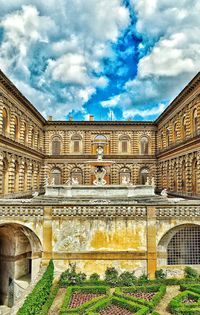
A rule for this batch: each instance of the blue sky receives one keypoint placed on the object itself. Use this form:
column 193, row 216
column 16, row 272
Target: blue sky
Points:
column 113, row 59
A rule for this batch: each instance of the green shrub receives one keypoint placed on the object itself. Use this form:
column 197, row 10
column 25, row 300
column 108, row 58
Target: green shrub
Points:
column 94, row 277
column 155, row 313
column 191, row 273
column 160, row 274
column 111, row 276
column 127, row 279
column 191, row 287
column 38, row 297
column 49, row 301
column 71, row 277
column 177, row 306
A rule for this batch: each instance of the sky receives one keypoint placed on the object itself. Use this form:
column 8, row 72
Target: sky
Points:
column 114, row 59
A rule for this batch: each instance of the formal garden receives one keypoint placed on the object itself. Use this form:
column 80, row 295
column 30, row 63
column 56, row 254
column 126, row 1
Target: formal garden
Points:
column 116, row 294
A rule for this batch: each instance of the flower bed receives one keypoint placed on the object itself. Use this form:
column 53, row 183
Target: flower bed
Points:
column 186, row 303
column 78, row 299
column 149, row 296
column 117, row 304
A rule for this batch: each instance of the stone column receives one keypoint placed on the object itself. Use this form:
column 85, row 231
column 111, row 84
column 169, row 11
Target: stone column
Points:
column 151, row 242
column 47, row 235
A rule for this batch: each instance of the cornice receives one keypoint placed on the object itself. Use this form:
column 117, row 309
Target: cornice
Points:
column 101, row 123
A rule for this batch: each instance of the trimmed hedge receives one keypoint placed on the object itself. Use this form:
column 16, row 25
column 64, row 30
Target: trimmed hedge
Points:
column 176, row 305
column 192, row 287
column 137, row 309
column 159, row 290
column 82, row 308
column 49, row 301
column 38, row 297
column 155, row 313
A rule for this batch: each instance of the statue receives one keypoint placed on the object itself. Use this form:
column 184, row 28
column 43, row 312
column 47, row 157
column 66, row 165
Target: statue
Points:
column 35, row 194
column 53, row 181
column 164, row 193
column 147, row 181
column 74, row 181
column 125, row 180
column 153, row 182
column 99, row 153
column 99, row 173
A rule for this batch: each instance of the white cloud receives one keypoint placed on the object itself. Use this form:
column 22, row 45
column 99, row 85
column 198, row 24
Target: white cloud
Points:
column 114, row 101
column 131, row 113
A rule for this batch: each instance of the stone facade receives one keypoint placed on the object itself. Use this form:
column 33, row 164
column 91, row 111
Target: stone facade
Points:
column 129, row 234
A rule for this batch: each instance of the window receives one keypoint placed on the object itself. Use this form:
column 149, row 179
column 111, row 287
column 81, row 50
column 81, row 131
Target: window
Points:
column 5, row 122
column 56, row 146
column 76, row 143
column 56, row 176
column 100, row 138
column 144, row 173
column 124, row 144
column 184, row 247
column 144, row 143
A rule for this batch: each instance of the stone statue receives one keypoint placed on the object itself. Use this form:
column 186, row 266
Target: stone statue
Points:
column 99, row 153
column 74, row 181
column 153, row 182
column 147, row 181
column 164, row 193
column 125, row 180
column 35, row 194
column 99, row 173
column 53, row 181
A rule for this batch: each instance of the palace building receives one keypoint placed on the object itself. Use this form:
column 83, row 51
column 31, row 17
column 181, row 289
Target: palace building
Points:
column 141, row 233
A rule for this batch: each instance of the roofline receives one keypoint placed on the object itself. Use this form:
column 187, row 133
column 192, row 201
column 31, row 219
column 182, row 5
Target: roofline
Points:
column 8, row 84
column 180, row 97
column 99, row 122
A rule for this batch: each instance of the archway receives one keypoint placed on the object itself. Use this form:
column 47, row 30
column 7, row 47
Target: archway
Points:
column 180, row 246
column 20, row 257
column 144, row 174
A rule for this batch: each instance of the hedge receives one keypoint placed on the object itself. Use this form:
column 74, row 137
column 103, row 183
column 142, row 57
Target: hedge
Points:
column 155, row 313
column 38, row 297
column 82, row 308
column 49, row 301
column 159, row 290
column 191, row 287
column 137, row 309
column 176, row 305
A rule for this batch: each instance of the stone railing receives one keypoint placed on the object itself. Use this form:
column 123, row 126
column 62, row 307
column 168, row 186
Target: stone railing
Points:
column 21, row 211
column 100, row 211
column 178, row 211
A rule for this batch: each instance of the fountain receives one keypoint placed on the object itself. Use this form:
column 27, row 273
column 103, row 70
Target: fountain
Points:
column 100, row 188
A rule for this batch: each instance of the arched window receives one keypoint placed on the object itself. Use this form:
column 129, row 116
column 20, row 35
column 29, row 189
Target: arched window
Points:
column 175, row 132
column 144, row 144
column 77, row 175
column 124, row 175
column 195, row 122
column 76, row 143
column 144, row 173
column 56, row 176
column 56, row 146
column 184, row 128
column 5, row 122
column 124, row 142
column 184, row 247
column 16, row 129
column 194, row 176
column 100, row 138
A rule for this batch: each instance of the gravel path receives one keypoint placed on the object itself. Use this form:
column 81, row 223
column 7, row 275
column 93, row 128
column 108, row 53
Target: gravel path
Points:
column 57, row 303
column 170, row 293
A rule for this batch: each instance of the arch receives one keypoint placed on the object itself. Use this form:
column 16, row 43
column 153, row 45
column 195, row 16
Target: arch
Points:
column 124, row 175
column 56, row 145
column 77, row 175
column 20, row 255
column 76, row 142
column 144, row 145
column 124, row 144
column 144, row 174
column 5, row 122
column 56, row 175
column 194, row 122
column 194, row 176
column 100, row 138
column 181, row 244
column 16, row 128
